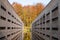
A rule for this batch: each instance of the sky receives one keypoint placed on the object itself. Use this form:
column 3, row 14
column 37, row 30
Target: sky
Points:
column 30, row 2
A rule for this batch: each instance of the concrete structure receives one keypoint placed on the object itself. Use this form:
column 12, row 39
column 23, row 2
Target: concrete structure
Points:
column 10, row 24
column 47, row 25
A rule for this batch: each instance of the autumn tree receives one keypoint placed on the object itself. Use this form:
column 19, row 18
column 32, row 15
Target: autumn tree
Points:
column 27, row 14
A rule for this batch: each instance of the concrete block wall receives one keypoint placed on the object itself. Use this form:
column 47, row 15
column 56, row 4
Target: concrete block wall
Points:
column 10, row 24
column 47, row 25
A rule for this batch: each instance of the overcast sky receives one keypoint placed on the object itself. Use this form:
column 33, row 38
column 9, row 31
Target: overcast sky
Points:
column 30, row 2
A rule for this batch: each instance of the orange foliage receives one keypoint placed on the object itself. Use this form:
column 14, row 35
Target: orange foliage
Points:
column 28, row 13
column 17, row 7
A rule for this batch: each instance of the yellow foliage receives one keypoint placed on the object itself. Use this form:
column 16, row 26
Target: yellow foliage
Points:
column 27, row 14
